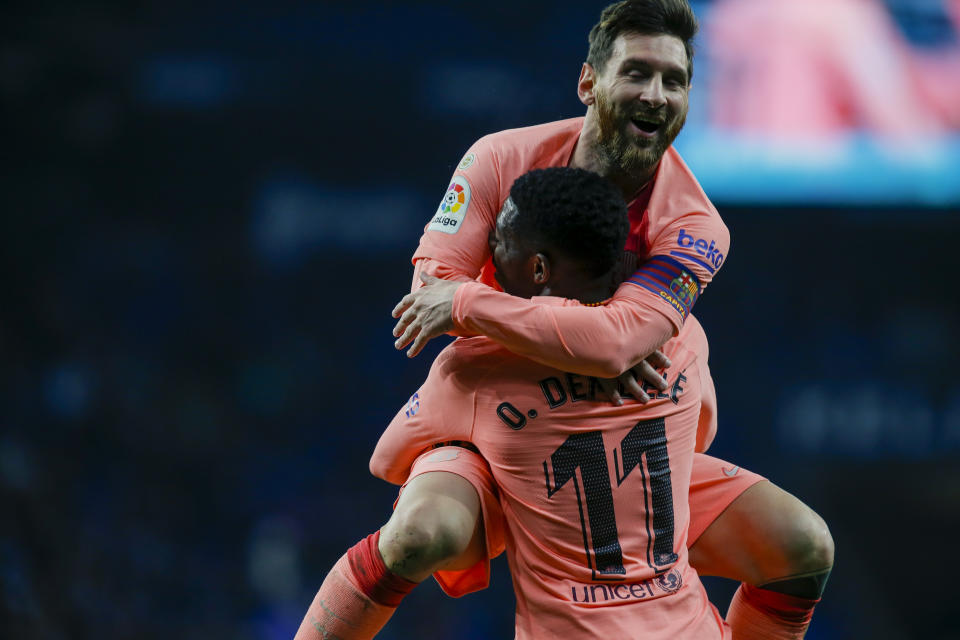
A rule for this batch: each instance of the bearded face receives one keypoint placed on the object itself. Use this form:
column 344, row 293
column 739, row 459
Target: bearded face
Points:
column 640, row 100
column 633, row 136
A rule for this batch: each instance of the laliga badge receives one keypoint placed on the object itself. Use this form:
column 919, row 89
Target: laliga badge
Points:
column 452, row 208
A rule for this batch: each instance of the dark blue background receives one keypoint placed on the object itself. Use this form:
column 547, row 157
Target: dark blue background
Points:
column 208, row 213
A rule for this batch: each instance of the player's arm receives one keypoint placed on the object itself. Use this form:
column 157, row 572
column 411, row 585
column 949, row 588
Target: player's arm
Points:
column 646, row 310
column 440, row 411
column 455, row 243
column 600, row 341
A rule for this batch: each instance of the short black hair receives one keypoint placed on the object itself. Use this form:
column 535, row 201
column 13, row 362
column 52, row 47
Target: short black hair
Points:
column 648, row 17
column 572, row 211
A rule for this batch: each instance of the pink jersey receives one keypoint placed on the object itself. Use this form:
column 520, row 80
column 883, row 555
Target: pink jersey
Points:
column 594, row 496
column 675, row 231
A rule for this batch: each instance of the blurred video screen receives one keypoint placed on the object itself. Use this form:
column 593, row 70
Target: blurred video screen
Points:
column 827, row 102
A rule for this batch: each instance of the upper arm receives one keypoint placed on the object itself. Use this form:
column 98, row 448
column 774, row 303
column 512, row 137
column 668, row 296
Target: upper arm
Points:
column 647, row 309
column 455, row 244
column 597, row 341
column 683, row 259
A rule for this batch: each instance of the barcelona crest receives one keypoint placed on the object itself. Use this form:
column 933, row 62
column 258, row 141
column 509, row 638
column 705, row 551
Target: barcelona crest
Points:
column 685, row 288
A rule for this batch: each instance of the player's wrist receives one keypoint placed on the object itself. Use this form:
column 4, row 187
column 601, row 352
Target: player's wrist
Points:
column 462, row 303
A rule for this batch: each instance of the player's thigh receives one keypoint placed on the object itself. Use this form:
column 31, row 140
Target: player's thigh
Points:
column 763, row 533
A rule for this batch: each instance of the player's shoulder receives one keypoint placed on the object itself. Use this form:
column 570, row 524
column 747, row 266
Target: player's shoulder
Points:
column 678, row 205
column 534, row 141
column 678, row 189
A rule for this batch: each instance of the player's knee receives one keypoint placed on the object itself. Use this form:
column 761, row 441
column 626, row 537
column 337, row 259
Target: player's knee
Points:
column 809, row 545
column 423, row 538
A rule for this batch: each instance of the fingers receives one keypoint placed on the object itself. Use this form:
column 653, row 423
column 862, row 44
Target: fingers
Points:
column 409, row 315
column 419, row 343
column 648, row 374
column 412, row 331
column 631, row 386
column 658, row 361
column 404, row 304
column 609, row 388
column 426, row 278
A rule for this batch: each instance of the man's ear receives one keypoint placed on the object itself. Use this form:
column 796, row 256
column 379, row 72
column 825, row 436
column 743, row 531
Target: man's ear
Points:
column 586, row 84
column 540, row 268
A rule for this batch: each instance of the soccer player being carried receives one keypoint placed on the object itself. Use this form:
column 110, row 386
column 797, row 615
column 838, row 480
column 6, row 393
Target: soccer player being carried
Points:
column 592, row 495
column 635, row 84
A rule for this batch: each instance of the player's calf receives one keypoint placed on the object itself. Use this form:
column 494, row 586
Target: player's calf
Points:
column 436, row 525
column 780, row 549
column 357, row 597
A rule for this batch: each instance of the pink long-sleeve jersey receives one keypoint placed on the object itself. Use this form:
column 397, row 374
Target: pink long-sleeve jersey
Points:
column 594, row 496
column 675, row 232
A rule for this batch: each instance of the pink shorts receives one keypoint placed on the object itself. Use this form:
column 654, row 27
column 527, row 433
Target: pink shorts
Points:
column 714, row 484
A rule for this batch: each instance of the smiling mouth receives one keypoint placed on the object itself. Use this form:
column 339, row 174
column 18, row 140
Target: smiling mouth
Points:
column 647, row 125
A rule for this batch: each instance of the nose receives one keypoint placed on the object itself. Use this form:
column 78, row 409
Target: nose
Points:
column 653, row 92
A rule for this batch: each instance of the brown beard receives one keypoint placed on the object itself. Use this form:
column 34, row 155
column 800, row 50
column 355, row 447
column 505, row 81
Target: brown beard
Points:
column 620, row 149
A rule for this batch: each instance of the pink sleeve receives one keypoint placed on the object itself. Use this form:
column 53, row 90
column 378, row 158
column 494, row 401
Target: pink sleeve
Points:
column 604, row 341
column 599, row 341
column 437, row 270
column 440, row 411
column 455, row 241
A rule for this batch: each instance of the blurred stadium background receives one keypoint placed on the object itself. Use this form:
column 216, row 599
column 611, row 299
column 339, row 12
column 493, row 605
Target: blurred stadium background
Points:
column 208, row 211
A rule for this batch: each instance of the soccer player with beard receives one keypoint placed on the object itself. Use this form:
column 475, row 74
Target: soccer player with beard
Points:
column 635, row 84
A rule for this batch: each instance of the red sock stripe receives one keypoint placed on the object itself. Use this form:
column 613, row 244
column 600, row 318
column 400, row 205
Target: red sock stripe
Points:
column 376, row 581
column 791, row 608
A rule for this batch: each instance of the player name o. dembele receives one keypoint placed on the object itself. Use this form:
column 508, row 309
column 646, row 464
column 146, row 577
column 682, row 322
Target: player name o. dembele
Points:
column 570, row 387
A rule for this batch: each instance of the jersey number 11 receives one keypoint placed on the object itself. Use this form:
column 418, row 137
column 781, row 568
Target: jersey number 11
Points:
column 647, row 439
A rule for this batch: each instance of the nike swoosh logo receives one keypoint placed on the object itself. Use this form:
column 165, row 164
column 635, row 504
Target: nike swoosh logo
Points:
column 730, row 472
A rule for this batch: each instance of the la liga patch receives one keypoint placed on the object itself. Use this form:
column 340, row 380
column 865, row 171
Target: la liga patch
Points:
column 453, row 207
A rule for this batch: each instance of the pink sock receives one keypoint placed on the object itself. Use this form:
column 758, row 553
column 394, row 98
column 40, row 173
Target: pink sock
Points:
column 761, row 614
column 357, row 597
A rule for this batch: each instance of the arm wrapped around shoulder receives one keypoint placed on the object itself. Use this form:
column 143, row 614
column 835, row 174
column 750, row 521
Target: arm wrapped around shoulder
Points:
column 601, row 341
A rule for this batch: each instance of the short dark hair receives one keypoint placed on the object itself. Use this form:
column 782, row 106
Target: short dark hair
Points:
column 648, row 17
column 572, row 211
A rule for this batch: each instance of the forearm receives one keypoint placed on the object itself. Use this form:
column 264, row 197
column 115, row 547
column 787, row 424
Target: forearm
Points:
column 437, row 269
column 599, row 341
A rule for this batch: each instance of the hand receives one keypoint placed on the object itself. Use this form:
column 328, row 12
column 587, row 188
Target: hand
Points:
column 424, row 314
column 645, row 370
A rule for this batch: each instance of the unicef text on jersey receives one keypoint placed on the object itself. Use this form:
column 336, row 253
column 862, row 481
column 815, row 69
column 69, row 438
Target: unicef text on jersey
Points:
column 709, row 252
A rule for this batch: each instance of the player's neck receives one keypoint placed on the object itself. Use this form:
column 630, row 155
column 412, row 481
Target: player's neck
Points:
column 589, row 155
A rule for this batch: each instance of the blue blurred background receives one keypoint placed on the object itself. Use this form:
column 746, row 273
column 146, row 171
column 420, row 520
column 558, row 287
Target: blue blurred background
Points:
column 208, row 212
